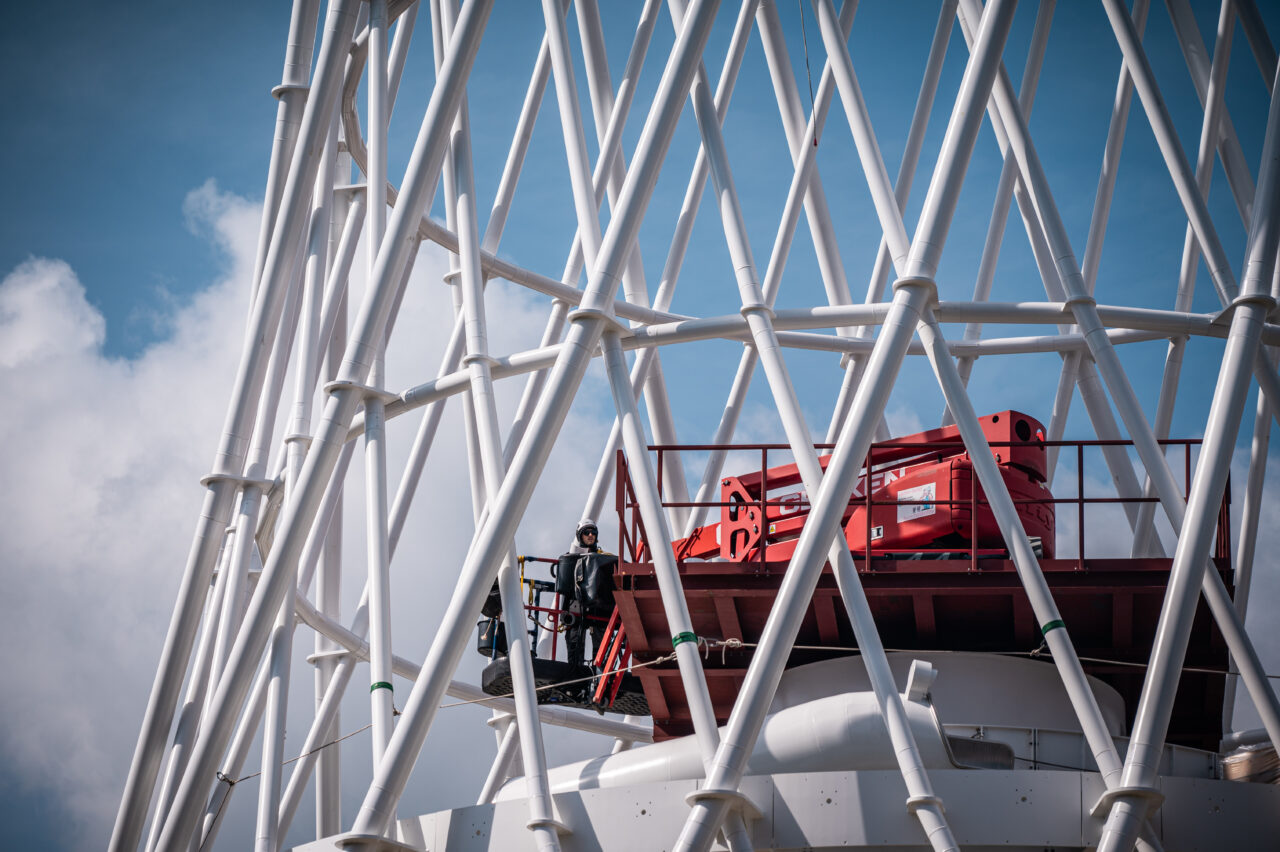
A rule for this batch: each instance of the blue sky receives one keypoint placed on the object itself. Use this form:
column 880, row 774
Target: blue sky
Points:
column 138, row 137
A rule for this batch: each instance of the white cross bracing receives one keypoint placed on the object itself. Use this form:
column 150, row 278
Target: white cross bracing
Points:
column 231, row 644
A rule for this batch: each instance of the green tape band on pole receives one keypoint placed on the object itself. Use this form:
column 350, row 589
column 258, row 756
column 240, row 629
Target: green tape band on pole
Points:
column 1052, row 625
column 382, row 684
column 682, row 637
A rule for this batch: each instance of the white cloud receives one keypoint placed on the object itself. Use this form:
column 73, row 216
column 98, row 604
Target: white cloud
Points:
column 44, row 315
column 101, row 467
column 102, row 459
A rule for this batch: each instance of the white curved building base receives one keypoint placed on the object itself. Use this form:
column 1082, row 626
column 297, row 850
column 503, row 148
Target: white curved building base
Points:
column 988, row 810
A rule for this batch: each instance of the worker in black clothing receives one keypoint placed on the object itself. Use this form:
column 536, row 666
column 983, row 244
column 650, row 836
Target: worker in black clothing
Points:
column 591, row 599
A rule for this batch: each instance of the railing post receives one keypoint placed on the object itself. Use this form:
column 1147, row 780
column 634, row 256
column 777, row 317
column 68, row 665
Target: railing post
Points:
column 764, row 507
column 1080, row 507
column 866, row 493
column 973, row 518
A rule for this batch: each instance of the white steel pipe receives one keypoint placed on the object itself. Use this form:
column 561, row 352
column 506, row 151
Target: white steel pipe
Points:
column 1004, row 189
column 291, row 95
column 366, row 339
column 658, row 406
column 232, row 764
column 229, row 457
column 1209, row 133
column 1173, row 630
column 1083, row 307
column 490, row 542
column 855, row 438
column 328, row 787
column 603, row 480
column 1247, row 542
column 501, row 768
column 378, row 560
column 902, row 191
column 666, row 572
column 1048, row 618
column 1263, row 51
column 1234, row 165
column 773, row 275
column 189, row 716
column 765, row 341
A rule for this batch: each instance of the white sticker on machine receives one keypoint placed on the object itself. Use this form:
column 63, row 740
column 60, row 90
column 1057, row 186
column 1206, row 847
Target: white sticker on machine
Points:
column 921, row 504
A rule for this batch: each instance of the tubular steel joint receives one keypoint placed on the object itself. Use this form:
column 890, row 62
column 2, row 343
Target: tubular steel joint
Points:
column 919, row 282
column 321, row 656
column 1223, row 317
column 281, row 90
column 595, row 313
column 747, row 310
column 559, row 827
column 365, row 391
column 736, row 799
column 1081, row 299
column 243, row 481
column 1103, row 806
column 479, row 358
column 914, row 803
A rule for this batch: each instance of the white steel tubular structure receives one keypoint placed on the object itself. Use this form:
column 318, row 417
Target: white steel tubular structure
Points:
column 547, row 298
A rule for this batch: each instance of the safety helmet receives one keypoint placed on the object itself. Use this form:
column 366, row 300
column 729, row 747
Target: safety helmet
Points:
column 583, row 526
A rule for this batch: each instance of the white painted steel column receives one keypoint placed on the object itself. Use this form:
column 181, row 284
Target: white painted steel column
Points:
column 603, row 482
column 500, row 771
column 1004, row 190
column 421, row 181
column 666, row 572
column 653, row 384
column 1048, row 619
column 1247, row 541
column 710, row 483
column 232, row 445
column 291, row 96
column 1234, row 164
column 328, row 795
column 1255, row 31
column 1079, row 373
column 952, row 384
column 490, row 542
column 902, row 190
column 1084, row 309
column 189, row 716
column 610, row 148
column 478, row 362
column 1108, row 171
column 280, row 644
column 381, row 689
column 759, row 320
column 233, row 764
column 1209, row 134
column 610, row 152
column 1215, row 257
column 1146, row 742
column 817, row 213
column 855, row 439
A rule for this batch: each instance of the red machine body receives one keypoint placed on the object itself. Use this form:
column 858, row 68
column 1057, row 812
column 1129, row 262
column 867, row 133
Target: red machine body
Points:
column 922, row 498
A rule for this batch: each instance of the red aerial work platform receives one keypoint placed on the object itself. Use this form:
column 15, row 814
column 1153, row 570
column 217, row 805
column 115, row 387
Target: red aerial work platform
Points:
column 934, row 566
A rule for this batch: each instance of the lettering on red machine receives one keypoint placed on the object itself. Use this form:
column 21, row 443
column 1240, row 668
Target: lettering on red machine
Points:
column 924, row 499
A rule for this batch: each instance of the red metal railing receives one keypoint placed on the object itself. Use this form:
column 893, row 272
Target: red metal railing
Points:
column 633, row 540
